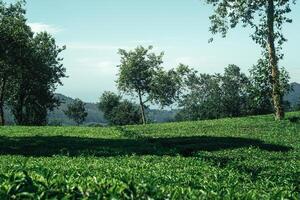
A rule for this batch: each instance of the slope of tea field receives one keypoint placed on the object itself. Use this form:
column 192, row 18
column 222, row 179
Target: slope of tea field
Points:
column 242, row 158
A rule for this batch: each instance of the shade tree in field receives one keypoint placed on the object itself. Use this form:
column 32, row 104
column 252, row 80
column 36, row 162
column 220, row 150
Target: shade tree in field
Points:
column 118, row 111
column 34, row 85
column 31, row 68
column 141, row 75
column 234, row 86
column 14, row 39
column 266, row 18
column 76, row 111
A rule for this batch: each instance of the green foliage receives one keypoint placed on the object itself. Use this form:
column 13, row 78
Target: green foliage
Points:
column 239, row 158
column 297, row 107
column 118, row 111
column 214, row 96
column 76, row 111
column 228, row 14
column 31, row 68
column 260, row 89
column 140, row 73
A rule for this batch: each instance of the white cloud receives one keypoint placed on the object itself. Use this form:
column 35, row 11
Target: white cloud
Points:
column 107, row 67
column 185, row 60
column 40, row 27
column 97, row 47
column 92, row 47
column 100, row 65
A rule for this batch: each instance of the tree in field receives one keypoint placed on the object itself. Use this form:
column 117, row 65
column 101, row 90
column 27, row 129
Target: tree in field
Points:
column 234, row 92
column 118, row 111
column 76, row 111
column 31, row 68
column 107, row 102
column 34, row 84
column 260, row 88
column 14, row 39
column 266, row 17
column 141, row 74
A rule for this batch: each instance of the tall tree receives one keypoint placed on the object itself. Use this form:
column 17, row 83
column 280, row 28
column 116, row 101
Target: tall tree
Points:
column 76, row 111
column 266, row 17
column 30, row 69
column 14, row 39
column 141, row 74
column 39, row 73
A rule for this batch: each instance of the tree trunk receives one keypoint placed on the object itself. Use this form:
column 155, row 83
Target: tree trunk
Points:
column 273, row 60
column 2, row 89
column 142, row 107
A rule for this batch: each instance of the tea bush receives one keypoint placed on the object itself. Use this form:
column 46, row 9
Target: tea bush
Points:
column 240, row 158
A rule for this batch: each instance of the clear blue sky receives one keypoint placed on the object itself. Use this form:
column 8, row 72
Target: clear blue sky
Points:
column 93, row 30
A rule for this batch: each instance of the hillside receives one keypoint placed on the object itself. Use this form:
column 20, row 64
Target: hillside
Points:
column 240, row 158
column 294, row 96
column 96, row 116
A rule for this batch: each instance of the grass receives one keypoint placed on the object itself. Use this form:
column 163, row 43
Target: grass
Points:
column 241, row 158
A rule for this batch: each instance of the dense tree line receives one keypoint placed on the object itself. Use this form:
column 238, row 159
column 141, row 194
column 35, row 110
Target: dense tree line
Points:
column 232, row 94
column 30, row 70
column 197, row 96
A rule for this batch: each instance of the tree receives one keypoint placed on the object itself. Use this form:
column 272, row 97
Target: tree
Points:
column 126, row 113
column 39, row 73
column 76, row 111
column 14, row 38
column 31, row 68
column 118, row 111
column 260, row 88
column 108, row 101
column 234, row 92
column 201, row 98
column 266, row 17
column 214, row 96
column 141, row 74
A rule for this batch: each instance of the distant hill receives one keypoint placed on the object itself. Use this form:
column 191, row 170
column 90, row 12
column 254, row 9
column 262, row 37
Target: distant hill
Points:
column 294, row 96
column 58, row 116
column 96, row 117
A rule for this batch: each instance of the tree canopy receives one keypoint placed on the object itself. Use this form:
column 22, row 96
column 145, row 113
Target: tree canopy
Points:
column 141, row 74
column 266, row 18
column 30, row 70
column 76, row 111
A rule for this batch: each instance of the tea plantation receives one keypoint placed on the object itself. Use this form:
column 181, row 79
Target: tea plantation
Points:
column 241, row 158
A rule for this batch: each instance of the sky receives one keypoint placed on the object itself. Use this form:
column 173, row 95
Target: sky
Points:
column 94, row 30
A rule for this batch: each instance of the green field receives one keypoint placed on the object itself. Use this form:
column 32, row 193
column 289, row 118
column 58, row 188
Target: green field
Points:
column 242, row 158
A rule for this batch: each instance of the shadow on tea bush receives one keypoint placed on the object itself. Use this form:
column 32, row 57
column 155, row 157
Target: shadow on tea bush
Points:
column 294, row 119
